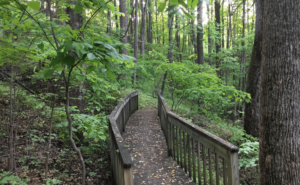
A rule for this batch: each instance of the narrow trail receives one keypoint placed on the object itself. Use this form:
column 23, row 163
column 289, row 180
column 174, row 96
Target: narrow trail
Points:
column 148, row 149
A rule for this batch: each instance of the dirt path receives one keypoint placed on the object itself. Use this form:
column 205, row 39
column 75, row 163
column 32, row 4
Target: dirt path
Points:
column 148, row 149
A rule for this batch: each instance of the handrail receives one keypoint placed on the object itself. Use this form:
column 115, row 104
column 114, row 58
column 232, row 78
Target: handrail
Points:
column 204, row 156
column 120, row 159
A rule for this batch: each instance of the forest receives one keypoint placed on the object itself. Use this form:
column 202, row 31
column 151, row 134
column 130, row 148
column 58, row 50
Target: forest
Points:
column 230, row 67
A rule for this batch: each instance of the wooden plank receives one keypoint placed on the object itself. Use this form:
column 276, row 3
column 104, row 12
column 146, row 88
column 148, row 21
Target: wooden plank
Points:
column 224, row 172
column 128, row 176
column 210, row 167
column 194, row 160
column 180, row 143
column 217, row 169
column 204, row 164
column 189, row 153
column 177, row 144
column 199, row 162
column 173, row 139
column 184, row 152
column 233, row 169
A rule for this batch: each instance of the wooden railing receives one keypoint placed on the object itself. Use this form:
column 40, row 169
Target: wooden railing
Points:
column 120, row 159
column 206, row 158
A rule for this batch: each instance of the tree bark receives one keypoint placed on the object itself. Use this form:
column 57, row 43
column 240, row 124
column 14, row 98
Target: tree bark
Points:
column 279, row 129
column 209, row 41
column 217, row 23
column 109, row 22
column 149, row 28
column 116, row 17
column 144, row 9
column 251, row 119
column 200, row 35
column 136, row 40
column 123, row 24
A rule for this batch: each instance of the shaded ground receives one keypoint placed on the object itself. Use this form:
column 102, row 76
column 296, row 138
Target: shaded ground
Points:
column 148, row 149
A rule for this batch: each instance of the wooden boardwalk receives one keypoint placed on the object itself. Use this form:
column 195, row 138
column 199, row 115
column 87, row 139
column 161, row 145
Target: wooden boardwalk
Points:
column 148, row 149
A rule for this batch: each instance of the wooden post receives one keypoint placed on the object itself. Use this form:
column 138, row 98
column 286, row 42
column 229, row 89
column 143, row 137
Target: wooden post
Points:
column 233, row 169
column 128, row 176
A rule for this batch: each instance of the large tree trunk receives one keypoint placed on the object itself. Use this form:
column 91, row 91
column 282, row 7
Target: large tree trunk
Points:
column 279, row 125
column 131, row 37
column 123, row 24
column 199, row 35
column 116, row 17
column 108, row 30
column 136, row 39
column 251, row 120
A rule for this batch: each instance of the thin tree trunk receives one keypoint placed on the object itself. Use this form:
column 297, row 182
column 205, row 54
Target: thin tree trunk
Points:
column 149, row 28
column 136, row 37
column 144, row 9
column 116, row 17
column 123, row 24
column 200, row 59
column 109, row 22
column 209, row 41
column 218, row 41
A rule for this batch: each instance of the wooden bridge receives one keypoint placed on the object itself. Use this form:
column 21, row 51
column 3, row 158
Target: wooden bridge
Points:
column 159, row 147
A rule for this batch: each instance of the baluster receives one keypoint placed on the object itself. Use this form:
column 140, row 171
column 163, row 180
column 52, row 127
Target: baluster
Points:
column 184, row 152
column 177, row 142
column 204, row 164
column 173, row 137
column 224, row 172
column 194, row 161
column 217, row 169
column 199, row 163
column 189, row 158
column 180, row 140
column 210, row 167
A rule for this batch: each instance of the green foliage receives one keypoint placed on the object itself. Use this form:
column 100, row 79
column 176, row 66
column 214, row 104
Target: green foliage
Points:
column 249, row 154
column 9, row 178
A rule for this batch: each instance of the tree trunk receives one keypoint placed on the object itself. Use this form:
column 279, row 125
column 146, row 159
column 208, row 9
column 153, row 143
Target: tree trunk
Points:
column 144, row 9
column 251, row 119
column 116, row 17
column 199, row 35
column 217, row 23
column 131, row 38
column 279, row 129
column 149, row 28
column 109, row 22
column 123, row 24
column 209, row 41
column 136, row 39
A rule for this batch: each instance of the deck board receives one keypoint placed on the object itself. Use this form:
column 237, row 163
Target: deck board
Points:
column 148, row 149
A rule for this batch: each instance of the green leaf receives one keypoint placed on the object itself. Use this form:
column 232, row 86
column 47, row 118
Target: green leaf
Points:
column 90, row 69
column 67, row 46
column 187, row 14
column 162, row 6
column 91, row 56
column 18, row 31
column 4, row 2
column 41, row 46
column 78, row 8
column 34, row 5
column 111, row 75
column 80, row 77
column 183, row 3
column 189, row 2
column 172, row 7
column 173, row 2
column 21, row 6
column 48, row 73
column 195, row 3
column 97, row 43
column 68, row 60
column 79, row 49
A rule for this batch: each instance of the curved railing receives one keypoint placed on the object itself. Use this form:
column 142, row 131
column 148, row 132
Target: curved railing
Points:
column 120, row 159
column 204, row 156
